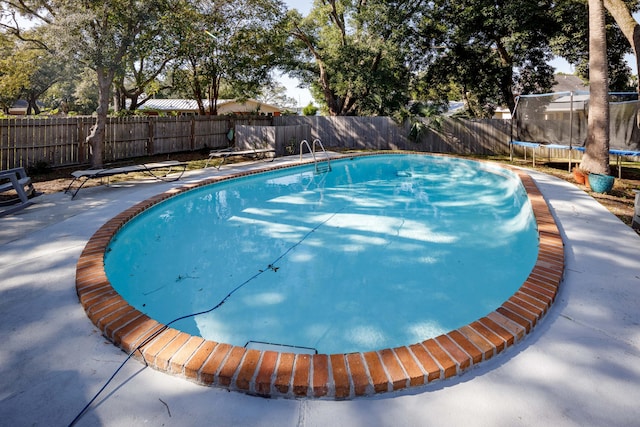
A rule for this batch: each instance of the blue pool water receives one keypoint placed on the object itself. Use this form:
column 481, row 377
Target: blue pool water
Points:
column 380, row 252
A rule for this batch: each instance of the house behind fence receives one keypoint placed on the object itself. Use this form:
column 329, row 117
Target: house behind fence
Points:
column 58, row 142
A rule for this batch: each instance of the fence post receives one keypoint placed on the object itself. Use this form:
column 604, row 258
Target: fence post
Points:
column 80, row 141
column 151, row 143
column 192, row 139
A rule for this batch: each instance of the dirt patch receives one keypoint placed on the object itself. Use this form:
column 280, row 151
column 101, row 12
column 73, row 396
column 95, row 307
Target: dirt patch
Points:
column 57, row 180
column 619, row 201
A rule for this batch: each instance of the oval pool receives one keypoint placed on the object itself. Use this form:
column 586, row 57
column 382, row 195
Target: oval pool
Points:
column 379, row 252
column 388, row 259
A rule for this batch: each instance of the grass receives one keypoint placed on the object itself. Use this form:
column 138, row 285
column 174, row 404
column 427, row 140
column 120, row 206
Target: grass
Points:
column 619, row 201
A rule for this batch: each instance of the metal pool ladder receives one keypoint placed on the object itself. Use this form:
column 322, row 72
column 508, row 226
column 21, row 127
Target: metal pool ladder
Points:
column 321, row 166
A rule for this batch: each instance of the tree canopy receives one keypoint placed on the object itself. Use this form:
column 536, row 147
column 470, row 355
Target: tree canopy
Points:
column 355, row 55
column 491, row 50
column 133, row 41
column 231, row 45
column 358, row 58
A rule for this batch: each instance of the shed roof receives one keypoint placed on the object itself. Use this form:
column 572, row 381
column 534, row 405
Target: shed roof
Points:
column 174, row 104
column 177, row 104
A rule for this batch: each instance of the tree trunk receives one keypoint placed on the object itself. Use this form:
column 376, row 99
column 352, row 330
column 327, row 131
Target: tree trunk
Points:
column 214, row 94
column 628, row 25
column 596, row 156
column 118, row 97
column 506, row 78
column 97, row 135
column 329, row 97
column 32, row 106
column 631, row 30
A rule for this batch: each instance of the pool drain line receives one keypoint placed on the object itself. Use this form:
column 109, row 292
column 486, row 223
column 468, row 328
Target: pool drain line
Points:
column 270, row 267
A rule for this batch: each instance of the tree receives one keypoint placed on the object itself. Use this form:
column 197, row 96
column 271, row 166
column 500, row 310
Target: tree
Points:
column 355, row 55
column 276, row 94
column 26, row 72
column 464, row 73
column 490, row 49
column 148, row 58
column 573, row 45
column 42, row 73
column 75, row 91
column 12, row 79
column 310, row 110
column 99, row 34
column 96, row 34
column 596, row 156
column 621, row 12
column 232, row 43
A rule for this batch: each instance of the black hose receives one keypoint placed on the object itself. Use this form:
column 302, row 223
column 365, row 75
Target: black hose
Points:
column 218, row 305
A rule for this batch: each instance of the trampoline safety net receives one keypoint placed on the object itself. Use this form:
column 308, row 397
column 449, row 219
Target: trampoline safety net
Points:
column 561, row 119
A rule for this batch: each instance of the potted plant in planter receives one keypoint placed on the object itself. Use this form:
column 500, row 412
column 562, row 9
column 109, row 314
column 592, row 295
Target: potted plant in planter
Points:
column 601, row 183
column 580, row 175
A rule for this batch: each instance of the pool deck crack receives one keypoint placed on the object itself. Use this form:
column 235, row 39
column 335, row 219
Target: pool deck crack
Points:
column 302, row 413
column 633, row 351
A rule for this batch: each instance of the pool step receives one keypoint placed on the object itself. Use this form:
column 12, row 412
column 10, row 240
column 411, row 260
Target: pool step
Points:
column 323, row 167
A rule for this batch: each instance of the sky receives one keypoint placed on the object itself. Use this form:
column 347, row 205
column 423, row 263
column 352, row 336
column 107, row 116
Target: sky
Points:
column 303, row 6
column 562, row 66
column 301, row 95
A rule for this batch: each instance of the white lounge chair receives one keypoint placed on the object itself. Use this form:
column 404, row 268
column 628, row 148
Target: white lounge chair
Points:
column 225, row 153
column 149, row 168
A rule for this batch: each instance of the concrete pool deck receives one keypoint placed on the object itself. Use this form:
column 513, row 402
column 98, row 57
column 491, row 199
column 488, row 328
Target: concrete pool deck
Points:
column 579, row 366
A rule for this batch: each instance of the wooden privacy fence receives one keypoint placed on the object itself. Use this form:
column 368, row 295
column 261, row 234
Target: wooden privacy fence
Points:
column 57, row 142
column 284, row 139
column 382, row 133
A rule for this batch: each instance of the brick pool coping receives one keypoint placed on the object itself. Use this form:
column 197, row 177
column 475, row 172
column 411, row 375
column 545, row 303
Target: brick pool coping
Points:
column 330, row 376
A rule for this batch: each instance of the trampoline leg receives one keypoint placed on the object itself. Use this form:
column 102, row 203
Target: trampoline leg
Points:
column 533, row 156
column 570, row 158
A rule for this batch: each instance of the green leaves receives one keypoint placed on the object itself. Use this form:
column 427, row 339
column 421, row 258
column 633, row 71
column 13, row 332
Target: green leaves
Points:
column 233, row 45
column 354, row 54
column 488, row 45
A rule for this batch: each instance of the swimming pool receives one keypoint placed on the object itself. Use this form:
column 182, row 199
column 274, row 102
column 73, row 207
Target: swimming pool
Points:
column 478, row 338
column 380, row 252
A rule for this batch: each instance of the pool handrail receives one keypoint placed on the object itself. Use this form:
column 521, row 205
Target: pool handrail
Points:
column 312, row 150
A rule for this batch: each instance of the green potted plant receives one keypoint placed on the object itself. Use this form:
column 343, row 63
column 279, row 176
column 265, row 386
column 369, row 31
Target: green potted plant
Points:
column 601, row 183
column 290, row 147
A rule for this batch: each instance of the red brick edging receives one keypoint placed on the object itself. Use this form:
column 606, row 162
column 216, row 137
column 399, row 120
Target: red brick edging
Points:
column 332, row 376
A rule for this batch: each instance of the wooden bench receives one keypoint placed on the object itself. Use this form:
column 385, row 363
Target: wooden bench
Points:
column 16, row 179
column 150, row 169
column 256, row 153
